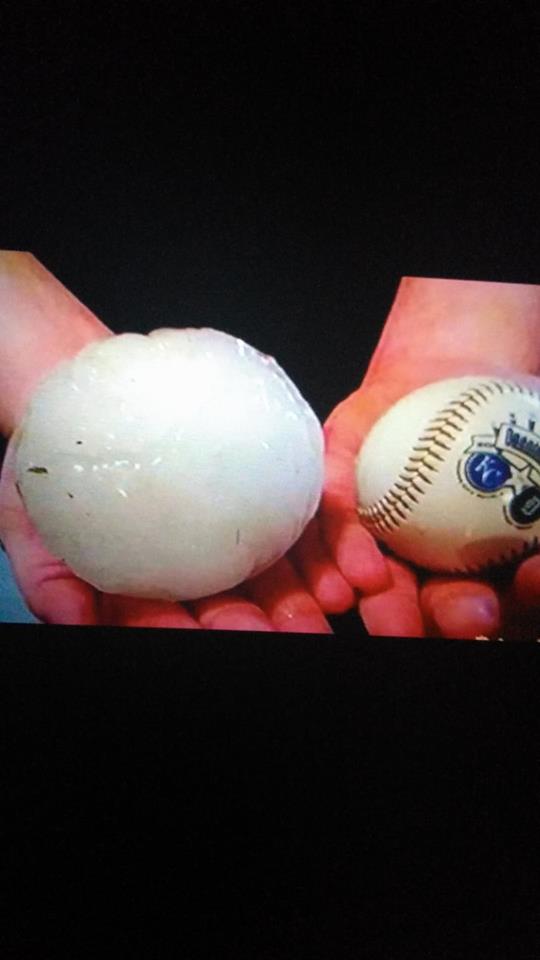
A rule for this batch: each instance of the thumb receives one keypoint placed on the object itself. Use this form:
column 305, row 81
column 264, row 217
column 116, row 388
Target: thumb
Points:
column 352, row 547
column 53, row 593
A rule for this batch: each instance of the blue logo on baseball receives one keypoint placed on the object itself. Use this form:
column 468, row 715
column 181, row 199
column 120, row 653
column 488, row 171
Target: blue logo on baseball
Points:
column 487, row 471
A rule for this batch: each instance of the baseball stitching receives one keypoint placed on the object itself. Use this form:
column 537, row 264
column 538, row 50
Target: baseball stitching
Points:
column 388, row 513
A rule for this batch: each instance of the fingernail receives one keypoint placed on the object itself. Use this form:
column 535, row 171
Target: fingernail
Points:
column 466, row 617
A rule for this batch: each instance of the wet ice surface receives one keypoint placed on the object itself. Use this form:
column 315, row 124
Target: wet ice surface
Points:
column 174, row 465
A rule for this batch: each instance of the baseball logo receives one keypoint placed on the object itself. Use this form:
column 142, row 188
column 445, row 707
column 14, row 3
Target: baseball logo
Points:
column 507, row 460
column 449, row 477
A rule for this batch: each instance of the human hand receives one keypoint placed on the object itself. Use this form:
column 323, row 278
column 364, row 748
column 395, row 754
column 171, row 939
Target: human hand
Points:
column 393, row 597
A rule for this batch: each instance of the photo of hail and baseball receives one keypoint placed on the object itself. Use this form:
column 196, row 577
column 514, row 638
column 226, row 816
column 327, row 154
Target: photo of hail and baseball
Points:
column 178, row 478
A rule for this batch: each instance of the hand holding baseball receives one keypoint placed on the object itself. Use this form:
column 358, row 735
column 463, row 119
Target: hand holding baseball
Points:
column 436, row 330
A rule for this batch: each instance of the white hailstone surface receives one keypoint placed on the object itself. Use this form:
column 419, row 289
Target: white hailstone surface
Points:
column 169, row 466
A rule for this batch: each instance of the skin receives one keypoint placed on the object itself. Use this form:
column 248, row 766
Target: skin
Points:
column 336, row 563
column 41, row 323
column 436, row 329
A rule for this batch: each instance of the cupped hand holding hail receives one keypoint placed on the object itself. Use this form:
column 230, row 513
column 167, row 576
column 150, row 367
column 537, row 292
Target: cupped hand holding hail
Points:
column 41, row 324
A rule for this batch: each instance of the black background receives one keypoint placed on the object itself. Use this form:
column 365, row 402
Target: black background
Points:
column 272, row 171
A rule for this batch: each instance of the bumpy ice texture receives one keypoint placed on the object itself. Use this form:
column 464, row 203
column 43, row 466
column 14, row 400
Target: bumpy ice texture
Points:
column 169, row 466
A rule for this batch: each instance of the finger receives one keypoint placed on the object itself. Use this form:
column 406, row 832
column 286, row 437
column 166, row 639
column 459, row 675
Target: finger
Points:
column 353, row 548
column 347, row 425
column 460, row 609
column 50, row 589
column 396, row 610
column 323, row 578
column 351, row 419
column 521, row 602
column 526, row 585
column 119, row 611
column 280, row 593
column 52, row 592
column 230, row 611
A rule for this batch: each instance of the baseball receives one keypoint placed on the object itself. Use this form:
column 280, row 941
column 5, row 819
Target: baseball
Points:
column 169, row 466
column 449, row 477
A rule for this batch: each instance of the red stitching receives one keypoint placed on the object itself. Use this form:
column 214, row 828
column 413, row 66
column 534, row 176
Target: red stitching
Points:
column 506, row 556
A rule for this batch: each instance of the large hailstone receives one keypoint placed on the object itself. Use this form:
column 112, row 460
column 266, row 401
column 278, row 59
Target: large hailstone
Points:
column 169, row 466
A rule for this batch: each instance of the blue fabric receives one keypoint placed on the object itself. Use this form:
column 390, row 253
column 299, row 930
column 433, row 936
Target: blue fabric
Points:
column 12, row 606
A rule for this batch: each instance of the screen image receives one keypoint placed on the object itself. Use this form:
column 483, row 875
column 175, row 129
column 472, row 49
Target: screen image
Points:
column 180, row 477
column 270, row 480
